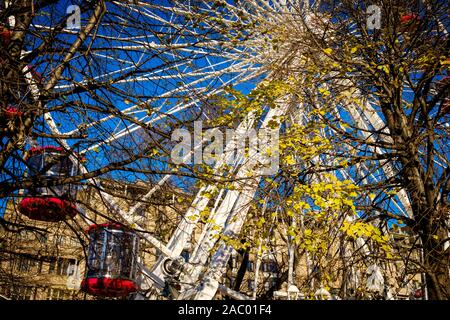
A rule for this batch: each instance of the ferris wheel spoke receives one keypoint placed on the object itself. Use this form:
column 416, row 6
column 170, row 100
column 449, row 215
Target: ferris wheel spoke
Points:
column 178, row 108
column 246, row 74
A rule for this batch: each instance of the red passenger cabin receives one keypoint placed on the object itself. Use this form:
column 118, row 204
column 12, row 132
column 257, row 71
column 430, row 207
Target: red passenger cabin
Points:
column 5, row 35
column 409, row 22
column 50, row 202
column 10, row 120
column 17, row 103
column 12, row 112
column 112, row 261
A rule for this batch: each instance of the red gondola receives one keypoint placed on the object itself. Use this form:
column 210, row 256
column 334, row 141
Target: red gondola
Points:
column 112, row 261
column 12, row 112
column 10, row 120
column 5, row 35
column 12, row 115
column 407, row 18
column 409, row 22
column 50, row 203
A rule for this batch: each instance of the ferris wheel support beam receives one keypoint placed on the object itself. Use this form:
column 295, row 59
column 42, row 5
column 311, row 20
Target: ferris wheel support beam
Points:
column 151, row 279
column 233, row 294
column 387, row 167
column 185, row 228
column 131, row 213
column 378, row 124
column 235, row 208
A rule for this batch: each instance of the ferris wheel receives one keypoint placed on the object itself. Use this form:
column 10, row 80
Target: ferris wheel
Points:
column 147, row 65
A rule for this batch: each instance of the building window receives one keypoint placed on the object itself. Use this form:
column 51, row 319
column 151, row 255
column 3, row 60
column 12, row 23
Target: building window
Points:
column 51, row 266
column 59, row 239
column 71, row 267
column 273, row 282
column 250, row 266
column 22, row 264
column 26, row 264
column 251, row 284
column 62, row 266
column 269, row 266
column 234, row 262
column 58, row 294
column 41, row 238
column 23, row 293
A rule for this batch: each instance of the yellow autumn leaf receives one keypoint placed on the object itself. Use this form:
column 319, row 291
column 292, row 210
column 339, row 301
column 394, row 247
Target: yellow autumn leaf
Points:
column 324, row 92
column 384, row 68
column 290, row 160
column 328, row 51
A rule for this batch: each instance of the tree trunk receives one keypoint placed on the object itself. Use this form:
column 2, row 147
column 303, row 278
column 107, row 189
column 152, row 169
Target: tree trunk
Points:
column 242, row 269
column 430, row 223
column 432, row 230
column 436, row 262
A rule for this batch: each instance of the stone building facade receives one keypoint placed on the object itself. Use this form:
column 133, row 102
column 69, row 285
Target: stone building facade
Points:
column 46, row 260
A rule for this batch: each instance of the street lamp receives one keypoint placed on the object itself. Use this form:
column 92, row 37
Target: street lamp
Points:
column 322, row 294
column 293, row 292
